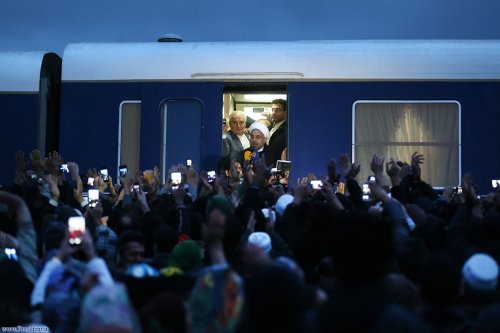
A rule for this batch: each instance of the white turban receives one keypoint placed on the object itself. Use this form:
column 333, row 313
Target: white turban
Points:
column 258, row 126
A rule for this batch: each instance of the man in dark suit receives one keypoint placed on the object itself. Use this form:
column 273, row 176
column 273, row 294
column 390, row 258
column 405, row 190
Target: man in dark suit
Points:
column 277, row 136
column 235, row 140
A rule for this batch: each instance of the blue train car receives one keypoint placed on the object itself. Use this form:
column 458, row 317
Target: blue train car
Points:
column 146, row 104
column 29, row 105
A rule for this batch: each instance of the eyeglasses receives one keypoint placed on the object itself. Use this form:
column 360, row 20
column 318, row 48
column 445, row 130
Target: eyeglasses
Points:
column 277, row 109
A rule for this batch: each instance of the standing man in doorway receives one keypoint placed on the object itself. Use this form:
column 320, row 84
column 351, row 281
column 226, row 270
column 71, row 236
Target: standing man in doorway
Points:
column 277, row 136
column 235, row 140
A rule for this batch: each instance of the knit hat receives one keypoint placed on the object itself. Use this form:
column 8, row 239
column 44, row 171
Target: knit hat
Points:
column 283, row 202
column 186, row 256
column 481, row 272
column 261, row 239
column 219, row 202
column 258, row 126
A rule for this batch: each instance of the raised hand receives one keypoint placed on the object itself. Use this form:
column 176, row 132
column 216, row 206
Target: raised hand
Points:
column 54, row 190
column 353, row 171
column 416, row 160
column 74, row 170
column 20, row 177
column 53, row 163
column 192, row 177
column 393, row 170
column 8, row 241
column 36, row 162
column 345, row 163
column 251, row 222
column 20, row 163
column 378, row 193
column 377, row 165
column 333, row 176
column 302, row 190
column 350, row 171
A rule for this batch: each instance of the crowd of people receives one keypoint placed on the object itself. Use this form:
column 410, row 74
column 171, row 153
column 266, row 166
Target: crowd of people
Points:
column 243, row 253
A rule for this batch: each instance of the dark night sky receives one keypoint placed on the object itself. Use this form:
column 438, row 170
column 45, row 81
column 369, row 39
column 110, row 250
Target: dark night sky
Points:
column 52, row 24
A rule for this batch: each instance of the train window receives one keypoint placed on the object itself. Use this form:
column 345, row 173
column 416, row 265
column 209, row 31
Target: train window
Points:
column 129, row 135
column 396, row 129
column 254, row 107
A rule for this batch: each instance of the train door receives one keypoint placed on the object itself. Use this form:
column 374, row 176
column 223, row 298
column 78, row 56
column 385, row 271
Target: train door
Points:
column 182, row 132
column 255, row 102
column 129, row 135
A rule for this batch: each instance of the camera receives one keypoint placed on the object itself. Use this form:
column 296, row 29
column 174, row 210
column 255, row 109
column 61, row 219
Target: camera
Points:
column 457, row 189
column 282, row 165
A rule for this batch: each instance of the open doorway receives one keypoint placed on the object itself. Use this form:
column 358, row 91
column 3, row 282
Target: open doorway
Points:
column 257, row 107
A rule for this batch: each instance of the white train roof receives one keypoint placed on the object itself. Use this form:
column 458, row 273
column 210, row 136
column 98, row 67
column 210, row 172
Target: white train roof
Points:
column 284, row 61
column 20, row 71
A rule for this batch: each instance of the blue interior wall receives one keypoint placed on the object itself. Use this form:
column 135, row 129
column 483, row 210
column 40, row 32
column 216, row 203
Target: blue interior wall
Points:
column 320, row 124
column 18, row 130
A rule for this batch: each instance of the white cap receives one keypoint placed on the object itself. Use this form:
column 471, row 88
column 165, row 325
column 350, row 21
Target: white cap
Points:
column 266, row 212
column 258, row 126
column 481, row 272
column 283, row 202
column 261, row 239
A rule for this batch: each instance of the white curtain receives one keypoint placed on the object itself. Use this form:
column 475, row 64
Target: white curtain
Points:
column 399, row 129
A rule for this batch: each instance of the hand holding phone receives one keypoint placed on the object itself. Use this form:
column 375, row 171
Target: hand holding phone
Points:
column 76, row 229
column 176, row 178
column 316, row 184
column 211, row 176
column 104, row 174
column 123, row 170
column 93, row 197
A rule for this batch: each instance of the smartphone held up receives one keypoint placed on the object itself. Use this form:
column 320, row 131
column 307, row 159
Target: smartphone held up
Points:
column 76, row 229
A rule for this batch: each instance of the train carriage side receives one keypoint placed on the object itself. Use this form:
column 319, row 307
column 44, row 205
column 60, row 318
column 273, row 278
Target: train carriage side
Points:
column 29, row 105
column 156, row 104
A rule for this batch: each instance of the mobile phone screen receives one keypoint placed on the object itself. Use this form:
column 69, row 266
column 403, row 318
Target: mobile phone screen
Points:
column 76, row 228
column 64, row 168
column 211, row 176
column 104, row 174
column 123, row 170
column 366, row 192
column 189, row 162
column 176, row 178
column 316, row 184
column 93, row 197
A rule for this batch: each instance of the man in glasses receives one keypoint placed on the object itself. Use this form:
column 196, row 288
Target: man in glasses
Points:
column 277, row 136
